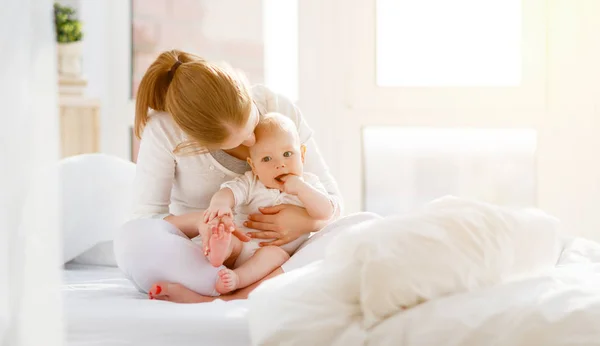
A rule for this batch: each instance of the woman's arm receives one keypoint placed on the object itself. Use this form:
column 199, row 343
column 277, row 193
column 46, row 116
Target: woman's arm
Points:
column 194, row 223
column 315, row 164
column 155, row 171
column 187, row 223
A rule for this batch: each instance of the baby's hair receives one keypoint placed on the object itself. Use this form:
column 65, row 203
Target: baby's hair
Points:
column 275, row 122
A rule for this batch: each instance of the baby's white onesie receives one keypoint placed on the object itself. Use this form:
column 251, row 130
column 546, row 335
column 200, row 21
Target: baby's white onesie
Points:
column 250, row 194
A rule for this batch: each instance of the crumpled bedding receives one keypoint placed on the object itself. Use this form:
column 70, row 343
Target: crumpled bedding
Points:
column 458, row 272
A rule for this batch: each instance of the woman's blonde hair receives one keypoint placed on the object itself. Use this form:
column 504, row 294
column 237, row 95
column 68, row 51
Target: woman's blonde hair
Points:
column 206, row 100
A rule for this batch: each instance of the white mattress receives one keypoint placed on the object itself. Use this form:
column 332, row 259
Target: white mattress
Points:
column 103, row 308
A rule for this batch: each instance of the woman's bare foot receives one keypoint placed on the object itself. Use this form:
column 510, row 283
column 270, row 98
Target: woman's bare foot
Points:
column 219, row 246
column 227, row 281
column 176, row 293
column 180, row 294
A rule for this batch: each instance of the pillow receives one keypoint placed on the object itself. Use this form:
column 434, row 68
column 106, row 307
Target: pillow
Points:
column 96, row 194
column 101, row 254
column 451, row 246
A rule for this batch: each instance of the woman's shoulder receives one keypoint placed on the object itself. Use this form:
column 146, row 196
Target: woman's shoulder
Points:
column 263, row 97
column 160, row 120
column 269, row 101
column 161, row 126
column 260, row 91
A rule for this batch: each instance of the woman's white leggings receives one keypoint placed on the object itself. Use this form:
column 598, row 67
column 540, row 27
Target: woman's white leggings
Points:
column 152, row 250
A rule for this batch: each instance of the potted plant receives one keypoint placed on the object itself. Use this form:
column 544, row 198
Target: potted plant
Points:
column 68, row 36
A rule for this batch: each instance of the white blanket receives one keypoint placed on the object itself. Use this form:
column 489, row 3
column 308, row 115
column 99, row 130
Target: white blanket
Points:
column 450, row 274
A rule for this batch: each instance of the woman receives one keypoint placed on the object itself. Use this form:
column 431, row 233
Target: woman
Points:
column 195, row 137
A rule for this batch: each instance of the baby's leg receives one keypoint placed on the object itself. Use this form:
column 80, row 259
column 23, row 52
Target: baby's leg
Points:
column 263, row 262
column 220, row 246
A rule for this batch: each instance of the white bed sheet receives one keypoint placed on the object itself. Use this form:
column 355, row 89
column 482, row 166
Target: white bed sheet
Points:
column 103, row 308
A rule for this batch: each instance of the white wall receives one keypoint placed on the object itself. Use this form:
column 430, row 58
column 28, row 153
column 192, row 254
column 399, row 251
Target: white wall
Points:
column 72, row 3
column 107, row 56
column 106, row 66
column 320, row 77
column 569, row 160
column 280, row 32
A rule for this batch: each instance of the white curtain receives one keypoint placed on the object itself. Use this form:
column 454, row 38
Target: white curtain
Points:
column 30, row 304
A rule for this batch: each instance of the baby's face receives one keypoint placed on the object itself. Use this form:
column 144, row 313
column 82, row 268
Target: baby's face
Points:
column 276, row 155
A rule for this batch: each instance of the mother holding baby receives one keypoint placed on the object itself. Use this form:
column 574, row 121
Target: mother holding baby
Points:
column 196, row 121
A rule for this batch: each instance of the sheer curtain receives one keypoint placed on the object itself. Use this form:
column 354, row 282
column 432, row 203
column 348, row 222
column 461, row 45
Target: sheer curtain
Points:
column 30, row 305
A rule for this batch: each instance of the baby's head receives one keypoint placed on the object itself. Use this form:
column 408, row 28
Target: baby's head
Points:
column 277, row 150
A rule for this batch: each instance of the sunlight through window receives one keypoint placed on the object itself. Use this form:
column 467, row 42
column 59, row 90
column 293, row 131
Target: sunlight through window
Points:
column 280, row 30
column 448, row 43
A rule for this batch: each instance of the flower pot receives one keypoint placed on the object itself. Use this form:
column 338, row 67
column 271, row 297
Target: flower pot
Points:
column 69, row 59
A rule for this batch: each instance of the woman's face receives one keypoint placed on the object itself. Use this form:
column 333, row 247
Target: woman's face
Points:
column 245, row 135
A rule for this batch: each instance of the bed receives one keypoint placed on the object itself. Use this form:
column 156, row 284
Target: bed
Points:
column 102, row 308
column 559, row 308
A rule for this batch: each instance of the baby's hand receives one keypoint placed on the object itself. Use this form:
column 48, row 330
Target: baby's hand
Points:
column 216, row 211
column 292, row 184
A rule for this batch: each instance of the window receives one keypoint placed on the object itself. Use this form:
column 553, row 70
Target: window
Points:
column 404, row 168
column 441, row 43
column 280, row 27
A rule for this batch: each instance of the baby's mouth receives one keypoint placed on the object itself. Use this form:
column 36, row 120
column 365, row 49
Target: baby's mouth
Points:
column 278, row 178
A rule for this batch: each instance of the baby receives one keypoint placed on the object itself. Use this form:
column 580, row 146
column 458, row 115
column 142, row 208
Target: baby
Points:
column 277, row 177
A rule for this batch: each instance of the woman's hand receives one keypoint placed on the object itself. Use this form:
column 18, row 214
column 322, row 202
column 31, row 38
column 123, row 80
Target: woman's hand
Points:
column 284, row 223
column 227, row 222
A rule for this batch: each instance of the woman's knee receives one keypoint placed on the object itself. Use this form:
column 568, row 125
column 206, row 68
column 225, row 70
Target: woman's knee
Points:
column 134, row 235
column 137, row 242
column 151, row 250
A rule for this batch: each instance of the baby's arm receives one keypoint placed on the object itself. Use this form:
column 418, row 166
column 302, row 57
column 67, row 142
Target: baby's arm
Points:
column 317, row 203
column 220, row 204
column 231, row 194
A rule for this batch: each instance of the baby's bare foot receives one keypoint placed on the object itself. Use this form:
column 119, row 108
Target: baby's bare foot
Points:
column 219, row 246
column 227, row 281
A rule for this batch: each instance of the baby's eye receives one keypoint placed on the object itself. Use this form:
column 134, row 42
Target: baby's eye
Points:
column 266, row 159
column 288, row 154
